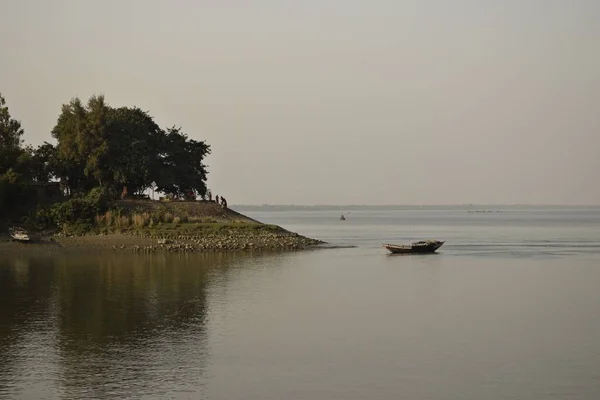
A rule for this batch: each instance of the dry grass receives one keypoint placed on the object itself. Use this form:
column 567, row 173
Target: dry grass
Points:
column 124, row 221
column 167, row 217
column 127, row 219
column 141, row 220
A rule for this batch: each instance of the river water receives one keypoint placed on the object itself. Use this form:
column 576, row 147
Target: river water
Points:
column 508, row 309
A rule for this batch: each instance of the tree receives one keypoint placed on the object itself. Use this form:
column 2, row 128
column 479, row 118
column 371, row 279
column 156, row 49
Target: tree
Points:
column 115, row 147
column 10, row 138
column 134, row 138
column 181, row 164
column 99, row 150
column 43, row 162
column 81, row 132
column 14, row 161
column 94, row 142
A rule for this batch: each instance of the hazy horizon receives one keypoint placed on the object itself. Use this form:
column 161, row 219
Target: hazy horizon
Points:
column 422, row 205
column 335, row 102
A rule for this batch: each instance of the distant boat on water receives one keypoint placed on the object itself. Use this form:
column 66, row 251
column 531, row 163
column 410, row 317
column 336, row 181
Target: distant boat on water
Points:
column 342, row 218
column 421, row 247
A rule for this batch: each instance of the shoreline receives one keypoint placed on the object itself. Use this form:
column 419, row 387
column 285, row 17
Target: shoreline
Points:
column 186, row 243
column 151, row 227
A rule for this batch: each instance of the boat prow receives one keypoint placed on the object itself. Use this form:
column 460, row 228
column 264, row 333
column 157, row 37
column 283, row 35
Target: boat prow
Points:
column 421, row 247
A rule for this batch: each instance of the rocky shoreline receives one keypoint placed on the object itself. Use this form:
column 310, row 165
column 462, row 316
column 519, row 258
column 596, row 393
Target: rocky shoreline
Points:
column 152, row 243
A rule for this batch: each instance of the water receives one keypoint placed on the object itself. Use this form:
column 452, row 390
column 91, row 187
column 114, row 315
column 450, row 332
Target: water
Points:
column 500, row 231
column 507, row 310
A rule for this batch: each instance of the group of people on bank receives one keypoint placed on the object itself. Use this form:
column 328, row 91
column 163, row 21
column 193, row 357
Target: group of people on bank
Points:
column 219, row 200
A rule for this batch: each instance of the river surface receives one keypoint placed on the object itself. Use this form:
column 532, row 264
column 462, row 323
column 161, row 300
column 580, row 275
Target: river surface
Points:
column 509, row 308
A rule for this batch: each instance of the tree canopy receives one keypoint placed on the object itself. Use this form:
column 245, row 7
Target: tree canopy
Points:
column 114, row 147
column 15, row 163
column 10, row 139
column 98, row 146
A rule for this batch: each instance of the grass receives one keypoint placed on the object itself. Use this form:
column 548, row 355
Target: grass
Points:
column 161, row 222
column 117, row 219
column 165, row 223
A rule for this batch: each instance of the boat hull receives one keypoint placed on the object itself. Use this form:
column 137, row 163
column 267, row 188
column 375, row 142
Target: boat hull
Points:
column 415, row 248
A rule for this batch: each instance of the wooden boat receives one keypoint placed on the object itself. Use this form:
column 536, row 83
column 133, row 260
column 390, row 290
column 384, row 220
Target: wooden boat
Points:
column 421, row 247
column 19, row 234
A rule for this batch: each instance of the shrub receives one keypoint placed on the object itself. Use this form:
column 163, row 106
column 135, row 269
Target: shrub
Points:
column 101, row 197
column 83, row 210
column 74, row 210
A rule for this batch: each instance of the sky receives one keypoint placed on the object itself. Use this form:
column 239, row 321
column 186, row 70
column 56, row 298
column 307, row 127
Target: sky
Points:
column 334, row 101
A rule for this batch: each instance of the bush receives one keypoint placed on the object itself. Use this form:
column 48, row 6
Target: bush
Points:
column 42, row 218
column 101, row 197
column 74, row 210
column 82, row 209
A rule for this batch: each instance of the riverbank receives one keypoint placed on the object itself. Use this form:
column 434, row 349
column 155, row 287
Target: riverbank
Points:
column 147, row 226
column 229, row 241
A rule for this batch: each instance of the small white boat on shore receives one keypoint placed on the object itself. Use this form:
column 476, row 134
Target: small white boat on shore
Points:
column 19, row 234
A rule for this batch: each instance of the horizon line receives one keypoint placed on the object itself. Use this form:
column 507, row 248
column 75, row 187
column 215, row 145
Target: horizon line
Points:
column 418, row 205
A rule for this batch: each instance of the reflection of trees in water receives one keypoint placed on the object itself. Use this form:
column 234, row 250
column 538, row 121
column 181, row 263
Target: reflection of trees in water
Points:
column 25, row 299
column 133, row 321
column 121, row 322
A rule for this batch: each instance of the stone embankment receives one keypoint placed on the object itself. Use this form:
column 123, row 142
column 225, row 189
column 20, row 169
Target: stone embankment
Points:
column 220, row 242
column 260, row 241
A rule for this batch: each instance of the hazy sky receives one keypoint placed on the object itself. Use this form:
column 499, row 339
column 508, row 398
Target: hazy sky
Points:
column 334, row 102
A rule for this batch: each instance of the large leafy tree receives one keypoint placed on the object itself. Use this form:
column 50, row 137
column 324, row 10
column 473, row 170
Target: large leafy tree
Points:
column 134, row 139
column 11, row 140
column 181, row 164
column 115, row 147
column 14, row 165
column 94, row 142
column 72, row 148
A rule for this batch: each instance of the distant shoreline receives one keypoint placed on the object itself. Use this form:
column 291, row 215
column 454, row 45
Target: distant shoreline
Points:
column 356, row 206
